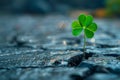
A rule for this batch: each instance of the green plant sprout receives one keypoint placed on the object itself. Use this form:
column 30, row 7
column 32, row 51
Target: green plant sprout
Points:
column 84, row 23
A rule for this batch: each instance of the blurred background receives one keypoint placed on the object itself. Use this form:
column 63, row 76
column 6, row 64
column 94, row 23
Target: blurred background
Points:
column 99, row 8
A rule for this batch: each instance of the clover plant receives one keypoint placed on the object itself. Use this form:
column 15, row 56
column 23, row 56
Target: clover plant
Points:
column 84, row 23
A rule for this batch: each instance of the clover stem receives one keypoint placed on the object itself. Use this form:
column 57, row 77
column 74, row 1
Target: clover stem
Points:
column 84, row 47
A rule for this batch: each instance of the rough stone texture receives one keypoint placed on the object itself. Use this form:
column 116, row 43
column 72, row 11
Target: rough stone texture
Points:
column 42, row 48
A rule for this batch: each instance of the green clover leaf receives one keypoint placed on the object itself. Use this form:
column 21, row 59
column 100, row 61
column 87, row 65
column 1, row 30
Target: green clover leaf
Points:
column 76, row 28
column 84, row 22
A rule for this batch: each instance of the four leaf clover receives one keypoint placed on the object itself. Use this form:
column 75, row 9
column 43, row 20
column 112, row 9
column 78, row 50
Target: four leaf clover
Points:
column 84, row 22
